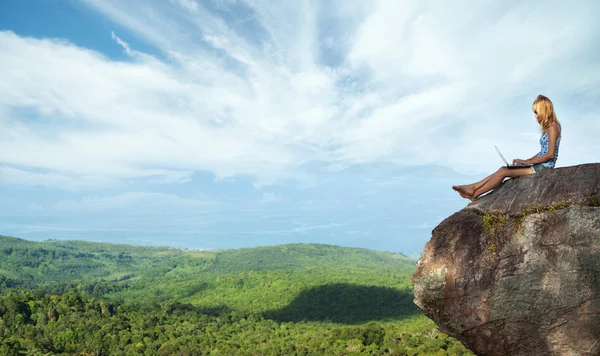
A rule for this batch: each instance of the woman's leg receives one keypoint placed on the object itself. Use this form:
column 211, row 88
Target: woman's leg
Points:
column 497, row 178
column 473, row 187
column 472, row 191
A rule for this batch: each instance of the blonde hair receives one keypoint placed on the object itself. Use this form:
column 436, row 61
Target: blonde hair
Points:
column 545, row 110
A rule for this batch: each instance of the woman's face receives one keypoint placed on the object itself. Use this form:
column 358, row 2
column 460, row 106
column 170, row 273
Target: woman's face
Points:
column 537, row 116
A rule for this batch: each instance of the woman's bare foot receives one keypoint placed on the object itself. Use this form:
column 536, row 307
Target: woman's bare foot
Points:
column 465, row 191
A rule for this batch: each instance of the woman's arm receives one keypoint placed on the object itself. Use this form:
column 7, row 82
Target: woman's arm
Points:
column 524, row 161
column 552, row 137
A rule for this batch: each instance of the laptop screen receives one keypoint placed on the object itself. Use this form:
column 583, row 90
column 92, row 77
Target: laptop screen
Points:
column 501, row 156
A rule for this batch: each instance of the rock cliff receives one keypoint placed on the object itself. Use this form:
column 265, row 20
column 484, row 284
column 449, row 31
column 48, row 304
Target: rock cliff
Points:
column 517, row 272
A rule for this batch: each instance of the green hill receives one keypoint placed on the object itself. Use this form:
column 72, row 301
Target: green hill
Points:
column 296, row 256
column 327, row 299
column 70, row 261
column 254, row 280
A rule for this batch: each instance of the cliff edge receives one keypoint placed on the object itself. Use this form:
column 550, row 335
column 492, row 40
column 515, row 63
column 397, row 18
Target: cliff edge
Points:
column 517, row 272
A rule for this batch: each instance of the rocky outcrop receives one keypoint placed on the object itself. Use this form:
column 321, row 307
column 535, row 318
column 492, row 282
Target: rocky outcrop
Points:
column 517, row 272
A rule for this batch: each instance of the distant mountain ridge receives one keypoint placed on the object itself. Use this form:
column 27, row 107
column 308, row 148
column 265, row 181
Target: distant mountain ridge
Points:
column 64, row 261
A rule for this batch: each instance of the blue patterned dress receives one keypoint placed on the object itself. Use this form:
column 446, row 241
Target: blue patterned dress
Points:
column 540, row 167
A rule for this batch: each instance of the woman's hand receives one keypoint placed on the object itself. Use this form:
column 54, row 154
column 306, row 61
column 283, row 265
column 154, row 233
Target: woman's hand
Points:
column 519, row 161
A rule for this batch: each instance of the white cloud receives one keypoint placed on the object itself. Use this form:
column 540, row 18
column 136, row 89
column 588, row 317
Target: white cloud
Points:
column 415, row 83
column 14, row 176
column 123, row 44
column 486, row 62
column 190, row 5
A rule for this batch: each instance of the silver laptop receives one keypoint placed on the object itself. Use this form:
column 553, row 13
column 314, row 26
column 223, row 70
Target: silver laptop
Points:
column 512, row 165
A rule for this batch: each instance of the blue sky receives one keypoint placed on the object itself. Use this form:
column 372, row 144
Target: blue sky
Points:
column 238, row 123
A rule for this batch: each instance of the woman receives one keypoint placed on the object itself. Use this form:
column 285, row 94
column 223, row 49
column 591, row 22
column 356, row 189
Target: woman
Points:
column 543, row 160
